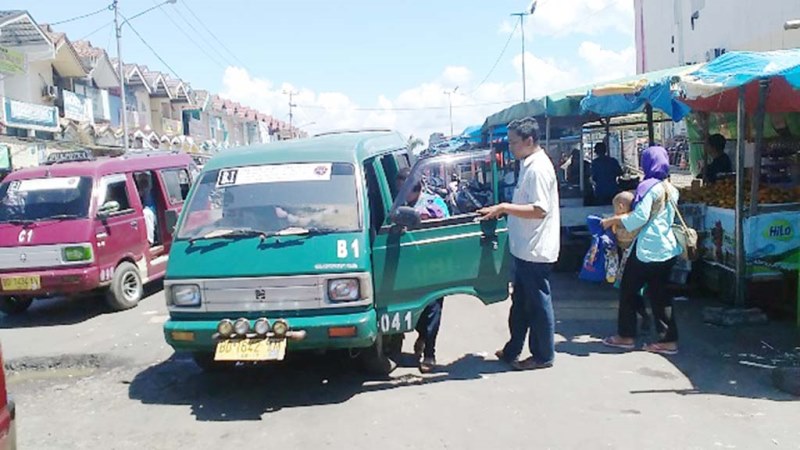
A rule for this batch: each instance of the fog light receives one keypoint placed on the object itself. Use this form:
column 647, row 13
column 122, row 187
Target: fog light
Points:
column 225, row 328
column 280, row 327
column 186, row 336
column 261, row 327
column 241, row 326
column 336, row 332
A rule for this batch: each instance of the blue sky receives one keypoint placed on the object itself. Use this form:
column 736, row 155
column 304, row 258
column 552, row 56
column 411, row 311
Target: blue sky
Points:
column 346, row 56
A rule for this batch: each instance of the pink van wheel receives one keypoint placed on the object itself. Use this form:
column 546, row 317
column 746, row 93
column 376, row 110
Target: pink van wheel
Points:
column 126, row 287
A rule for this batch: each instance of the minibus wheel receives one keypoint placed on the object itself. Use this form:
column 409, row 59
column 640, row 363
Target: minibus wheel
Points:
column 126, row 287
column 374, row 359
column 12, row 304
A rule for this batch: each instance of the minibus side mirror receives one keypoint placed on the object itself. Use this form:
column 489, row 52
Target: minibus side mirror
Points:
column 406, row 217
column 108, row 208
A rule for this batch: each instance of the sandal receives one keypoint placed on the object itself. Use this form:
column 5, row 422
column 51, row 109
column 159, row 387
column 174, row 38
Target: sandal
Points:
column 660, row 349
column 501, row 356
column 530, row 364
column 612, row 341
column 427, row 365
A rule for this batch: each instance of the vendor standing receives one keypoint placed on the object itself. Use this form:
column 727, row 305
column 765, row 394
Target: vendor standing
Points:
column 721, row 162
column 605, row 171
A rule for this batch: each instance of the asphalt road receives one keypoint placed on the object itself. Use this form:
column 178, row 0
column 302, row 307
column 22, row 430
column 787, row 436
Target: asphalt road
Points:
column 86, row 379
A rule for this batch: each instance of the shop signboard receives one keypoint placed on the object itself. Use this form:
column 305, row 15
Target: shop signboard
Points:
column 719, row 245
column 77, row 108
column 11, row 61
column 771, row 241
column 30, row 116
column 5, row 157
column 100, row 105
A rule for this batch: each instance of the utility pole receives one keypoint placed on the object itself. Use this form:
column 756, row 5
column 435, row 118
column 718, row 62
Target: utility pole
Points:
column 121, row 74
column 450, row 98
column 120, row 69
column 521, row 16
column 291, row 95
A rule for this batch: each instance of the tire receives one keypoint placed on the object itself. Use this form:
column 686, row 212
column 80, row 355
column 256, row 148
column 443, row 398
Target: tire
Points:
column 126, row 288
column 206, row 363
column 374, row 360
column 13, row 305
column 393, row 345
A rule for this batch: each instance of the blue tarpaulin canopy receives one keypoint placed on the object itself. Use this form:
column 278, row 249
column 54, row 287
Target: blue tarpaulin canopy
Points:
column 714, row 86
column 632, row 94
column 607, row 99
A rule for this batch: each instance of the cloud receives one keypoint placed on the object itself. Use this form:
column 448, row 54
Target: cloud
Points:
column 456, row 75
column 424, row 109
column 558, row 18
column 608, row 64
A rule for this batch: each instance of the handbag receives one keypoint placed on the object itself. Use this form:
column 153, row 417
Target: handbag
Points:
column 685, row 235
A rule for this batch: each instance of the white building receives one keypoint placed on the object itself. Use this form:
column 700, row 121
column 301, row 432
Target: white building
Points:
column 670, row 33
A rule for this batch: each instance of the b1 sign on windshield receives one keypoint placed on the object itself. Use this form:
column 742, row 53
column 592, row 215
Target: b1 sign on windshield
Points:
column 274, row 174
column 43, row 184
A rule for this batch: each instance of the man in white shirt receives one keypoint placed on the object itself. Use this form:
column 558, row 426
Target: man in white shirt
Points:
column 534, row 240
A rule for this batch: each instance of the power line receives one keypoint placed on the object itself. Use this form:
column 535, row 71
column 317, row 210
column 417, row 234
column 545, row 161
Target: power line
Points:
column 499, row 57
column 192, row 40
column 151, row 48
column 185, row 4
column 96, row 30
column 224, row 59
column 105, row 8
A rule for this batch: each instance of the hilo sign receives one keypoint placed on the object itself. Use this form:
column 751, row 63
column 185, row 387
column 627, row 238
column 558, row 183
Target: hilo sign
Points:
column 780, row 230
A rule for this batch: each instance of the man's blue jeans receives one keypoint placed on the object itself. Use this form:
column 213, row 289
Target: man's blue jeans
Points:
column 428, row 327
column 531, row 313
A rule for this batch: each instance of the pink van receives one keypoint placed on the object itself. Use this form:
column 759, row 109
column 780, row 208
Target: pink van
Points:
column 79, row 224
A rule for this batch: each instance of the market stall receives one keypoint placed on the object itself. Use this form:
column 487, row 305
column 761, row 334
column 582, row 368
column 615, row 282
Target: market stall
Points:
column 568, row 112
column 751, row 219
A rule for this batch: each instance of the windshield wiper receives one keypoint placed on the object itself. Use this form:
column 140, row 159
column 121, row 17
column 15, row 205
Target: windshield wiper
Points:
column 60, row 217
column 20, row 221
column 300, row 231
column 231, row 234
column 238, row 233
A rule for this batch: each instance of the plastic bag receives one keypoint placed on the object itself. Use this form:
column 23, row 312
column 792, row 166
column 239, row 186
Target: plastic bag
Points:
column 594, row 263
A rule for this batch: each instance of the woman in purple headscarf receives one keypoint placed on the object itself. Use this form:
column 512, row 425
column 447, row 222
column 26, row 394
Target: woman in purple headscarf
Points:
column 654, row 252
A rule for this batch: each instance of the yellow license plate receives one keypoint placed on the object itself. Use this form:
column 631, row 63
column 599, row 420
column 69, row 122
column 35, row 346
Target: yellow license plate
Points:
column 251, row 350
column 30, row 283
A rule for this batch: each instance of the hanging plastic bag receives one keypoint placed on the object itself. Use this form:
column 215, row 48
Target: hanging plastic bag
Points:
column 594, row 263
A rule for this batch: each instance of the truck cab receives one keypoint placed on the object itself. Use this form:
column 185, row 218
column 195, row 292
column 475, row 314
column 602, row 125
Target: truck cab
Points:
column 309, row 244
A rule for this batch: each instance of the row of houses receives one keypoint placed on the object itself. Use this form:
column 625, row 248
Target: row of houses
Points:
column 58, row 94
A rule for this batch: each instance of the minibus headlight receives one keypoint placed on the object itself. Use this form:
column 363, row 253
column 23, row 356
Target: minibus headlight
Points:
column 241, row 327
column 225, row 328
column 75, row 253
column 185, row 295
column 344, row 290
column 261, row 327
column 280, row 328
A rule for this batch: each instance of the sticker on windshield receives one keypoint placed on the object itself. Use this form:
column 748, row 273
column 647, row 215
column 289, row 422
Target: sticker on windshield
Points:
column 44, row 184
column 274, row 174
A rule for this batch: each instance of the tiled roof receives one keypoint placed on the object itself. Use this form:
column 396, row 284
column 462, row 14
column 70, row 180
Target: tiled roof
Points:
column 201, row 96
column 57, row 37
column 86, row 50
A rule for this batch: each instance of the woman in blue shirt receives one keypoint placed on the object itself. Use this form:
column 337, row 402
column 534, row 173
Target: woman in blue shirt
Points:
column 654, row 253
